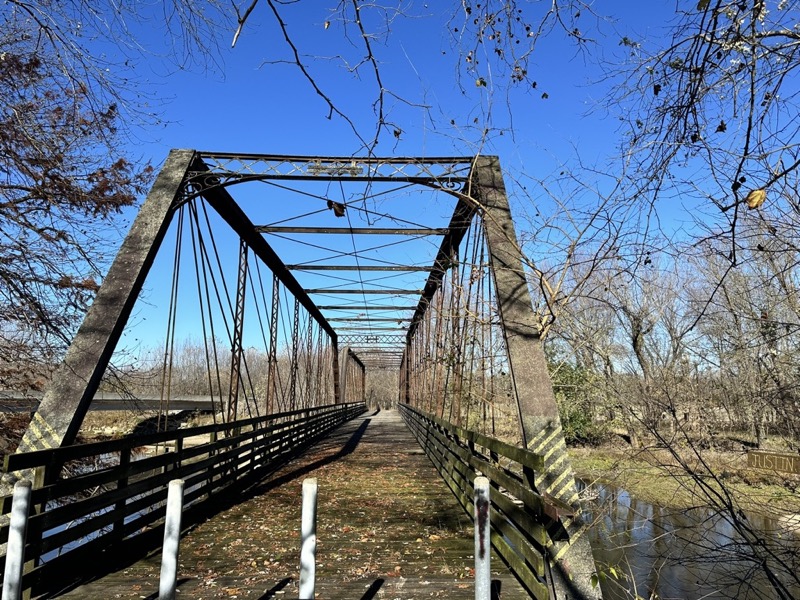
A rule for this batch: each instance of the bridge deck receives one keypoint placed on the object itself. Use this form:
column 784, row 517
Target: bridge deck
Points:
column 388, row 527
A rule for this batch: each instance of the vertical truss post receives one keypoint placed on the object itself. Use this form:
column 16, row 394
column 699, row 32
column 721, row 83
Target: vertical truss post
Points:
column 412, row 365
column 337, row 392
column 363, row 383
column 538, row 413
column 318, row 356
column 422, row 366
column 272, row 375
column 309, row 372
column 354, row 376
column 345, row 367
column 417, row 381
column 293, row 366
column 405, row 374
column 457, row 348
column 238, row 331
column 72, row 388
column 437, row 348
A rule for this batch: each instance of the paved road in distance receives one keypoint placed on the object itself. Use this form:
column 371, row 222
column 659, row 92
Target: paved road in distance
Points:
column 11, row 401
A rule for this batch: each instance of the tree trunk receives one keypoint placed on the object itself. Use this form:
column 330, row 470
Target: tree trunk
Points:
column 761, row 434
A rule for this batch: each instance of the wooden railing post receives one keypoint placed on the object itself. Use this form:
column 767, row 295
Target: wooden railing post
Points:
column 178, row 453
column 165, row 468
column 213, row 437
column 122, row 483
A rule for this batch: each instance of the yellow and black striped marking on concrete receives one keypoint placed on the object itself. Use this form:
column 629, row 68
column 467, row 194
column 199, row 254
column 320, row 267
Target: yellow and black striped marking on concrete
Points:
column 557, row 479
column 39, row 436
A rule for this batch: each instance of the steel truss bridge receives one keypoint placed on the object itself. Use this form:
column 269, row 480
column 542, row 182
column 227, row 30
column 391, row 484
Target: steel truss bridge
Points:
column 311, row 286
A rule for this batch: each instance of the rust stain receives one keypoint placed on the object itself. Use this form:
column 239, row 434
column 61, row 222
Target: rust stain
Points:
column 483, row 514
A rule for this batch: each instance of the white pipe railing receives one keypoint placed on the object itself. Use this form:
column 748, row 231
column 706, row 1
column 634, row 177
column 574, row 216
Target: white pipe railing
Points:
column 172, row 540
column 308, row 537
column 15, row 549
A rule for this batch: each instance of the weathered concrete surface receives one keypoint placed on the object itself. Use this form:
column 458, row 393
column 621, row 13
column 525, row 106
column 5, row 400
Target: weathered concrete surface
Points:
column 387, row 526
column 60, row 413
column 538, row 412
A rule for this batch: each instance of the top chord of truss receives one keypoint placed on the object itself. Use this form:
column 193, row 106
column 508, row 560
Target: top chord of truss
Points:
column 229, row 167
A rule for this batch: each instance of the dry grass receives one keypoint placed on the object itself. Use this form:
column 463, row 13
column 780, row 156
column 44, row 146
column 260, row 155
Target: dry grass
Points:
column 656, row 477
column 98, row 425
column 12, row 427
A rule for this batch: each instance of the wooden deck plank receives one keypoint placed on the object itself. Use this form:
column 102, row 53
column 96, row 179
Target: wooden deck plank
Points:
column 388, row 527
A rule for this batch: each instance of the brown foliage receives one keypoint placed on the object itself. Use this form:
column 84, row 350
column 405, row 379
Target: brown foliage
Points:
column 62, row 185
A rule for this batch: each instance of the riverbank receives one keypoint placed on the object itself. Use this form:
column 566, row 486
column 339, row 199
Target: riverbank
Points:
column 649, row 474
column 103, row 425
column 657, row 477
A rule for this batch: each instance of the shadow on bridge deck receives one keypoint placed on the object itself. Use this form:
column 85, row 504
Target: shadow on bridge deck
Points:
column 388, row 527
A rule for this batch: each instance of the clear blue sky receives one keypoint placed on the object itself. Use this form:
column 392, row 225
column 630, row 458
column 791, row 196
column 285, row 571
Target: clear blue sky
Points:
column 246, row 104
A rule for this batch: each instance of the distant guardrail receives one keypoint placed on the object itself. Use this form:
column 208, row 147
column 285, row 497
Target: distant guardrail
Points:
column 12, row 401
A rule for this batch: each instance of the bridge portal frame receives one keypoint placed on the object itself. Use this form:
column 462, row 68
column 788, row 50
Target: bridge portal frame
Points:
column 477, row 184
column 188, row 174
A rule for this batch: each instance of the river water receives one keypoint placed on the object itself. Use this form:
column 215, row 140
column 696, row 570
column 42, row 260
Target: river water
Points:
column 694, row 554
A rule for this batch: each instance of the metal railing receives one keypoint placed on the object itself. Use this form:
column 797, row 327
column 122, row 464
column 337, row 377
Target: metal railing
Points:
column 119, row 496
column 524, row 523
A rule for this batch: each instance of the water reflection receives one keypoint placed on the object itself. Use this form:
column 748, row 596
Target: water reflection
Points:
column 690, row 554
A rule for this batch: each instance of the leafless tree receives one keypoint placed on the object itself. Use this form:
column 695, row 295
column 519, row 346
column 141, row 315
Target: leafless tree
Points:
column 61, row 189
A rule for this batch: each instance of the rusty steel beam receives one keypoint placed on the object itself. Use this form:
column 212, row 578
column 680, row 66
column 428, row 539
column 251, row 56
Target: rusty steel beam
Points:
column 397, row 320
column 388, row 336
column 343, row 379
column 376, row 268
column 238, row 333
column 293, row 368
column 370, row 329
column 528, row 368
column 227, row 168
column 404, row 394
column 357, row 291
column 67, row 398
column 377, row 350
column 363, row 382
column 338, row 398
column 352, row 230
column 355, row 357
column 367, row 307
column 272, row 367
